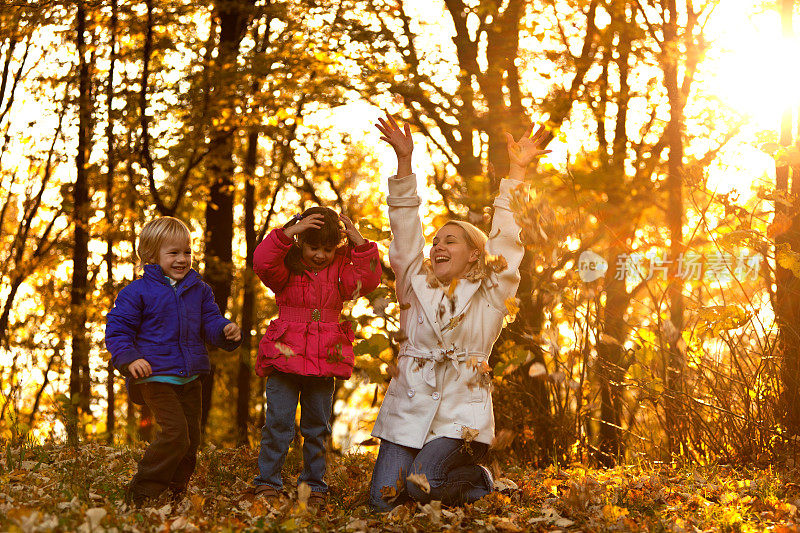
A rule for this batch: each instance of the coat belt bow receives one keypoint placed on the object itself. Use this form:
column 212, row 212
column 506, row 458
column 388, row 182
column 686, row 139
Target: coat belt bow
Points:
column 441, row 356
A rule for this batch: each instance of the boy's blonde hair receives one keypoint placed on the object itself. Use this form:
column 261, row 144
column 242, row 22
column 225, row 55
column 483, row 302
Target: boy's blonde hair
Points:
column 156, row 232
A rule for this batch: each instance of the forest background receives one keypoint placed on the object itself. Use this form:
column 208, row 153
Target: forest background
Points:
column 234, row 115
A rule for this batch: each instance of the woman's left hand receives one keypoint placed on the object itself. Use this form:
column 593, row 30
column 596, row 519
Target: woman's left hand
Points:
column 528, row 148
column 351, row 231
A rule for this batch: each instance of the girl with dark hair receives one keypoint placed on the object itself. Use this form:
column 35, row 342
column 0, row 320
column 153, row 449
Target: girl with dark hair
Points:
column 313, row 264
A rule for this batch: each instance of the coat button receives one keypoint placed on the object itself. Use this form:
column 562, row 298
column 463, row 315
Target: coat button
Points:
column 435, row 395
column 420, row 319
column 411, row 393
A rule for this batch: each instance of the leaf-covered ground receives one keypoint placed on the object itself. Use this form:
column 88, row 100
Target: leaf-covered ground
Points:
column 54, row 488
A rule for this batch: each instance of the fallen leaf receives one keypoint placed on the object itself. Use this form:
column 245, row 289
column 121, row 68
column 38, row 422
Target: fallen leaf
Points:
column 503, row 483
column 504, row 524
column 94, row 516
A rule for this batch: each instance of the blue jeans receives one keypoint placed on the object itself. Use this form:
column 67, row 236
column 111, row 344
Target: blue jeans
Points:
column 316, row 399
column 449, row 464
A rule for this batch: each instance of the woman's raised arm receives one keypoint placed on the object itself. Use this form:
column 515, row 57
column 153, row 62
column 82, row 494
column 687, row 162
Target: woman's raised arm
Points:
column 504, row 235
column 405, row 251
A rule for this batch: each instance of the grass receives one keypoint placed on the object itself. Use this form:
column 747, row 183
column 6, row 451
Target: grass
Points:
column 53, row 487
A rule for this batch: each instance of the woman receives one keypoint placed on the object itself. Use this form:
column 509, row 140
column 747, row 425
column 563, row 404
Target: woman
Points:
column 436, row 418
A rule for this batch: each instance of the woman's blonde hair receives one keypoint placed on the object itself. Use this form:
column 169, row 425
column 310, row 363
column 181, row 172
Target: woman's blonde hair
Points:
column 158, row 231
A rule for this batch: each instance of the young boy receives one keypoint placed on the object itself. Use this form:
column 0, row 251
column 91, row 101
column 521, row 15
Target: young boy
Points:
column 156, row 333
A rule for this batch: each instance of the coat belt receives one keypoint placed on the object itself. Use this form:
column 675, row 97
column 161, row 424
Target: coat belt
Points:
column 304, row 314
column 442, row 356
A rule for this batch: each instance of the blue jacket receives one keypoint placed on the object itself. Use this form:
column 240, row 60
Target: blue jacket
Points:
column 166, row 326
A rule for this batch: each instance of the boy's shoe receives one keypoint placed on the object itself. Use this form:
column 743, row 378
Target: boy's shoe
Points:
column 317, row 499
column 135, row 499
column 177, row 495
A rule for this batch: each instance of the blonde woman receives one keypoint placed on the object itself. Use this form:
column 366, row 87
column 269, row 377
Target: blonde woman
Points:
column 436, row 418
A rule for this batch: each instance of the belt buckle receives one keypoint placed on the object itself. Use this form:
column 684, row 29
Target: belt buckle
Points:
column 315, row 315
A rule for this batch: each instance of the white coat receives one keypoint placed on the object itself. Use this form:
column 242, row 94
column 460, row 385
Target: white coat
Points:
column 441, row 389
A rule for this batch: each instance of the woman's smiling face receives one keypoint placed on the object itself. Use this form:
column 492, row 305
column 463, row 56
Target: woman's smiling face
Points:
column 451, row 254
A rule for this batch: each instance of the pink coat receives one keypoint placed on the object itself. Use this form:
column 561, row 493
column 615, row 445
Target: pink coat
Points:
column 307, row 337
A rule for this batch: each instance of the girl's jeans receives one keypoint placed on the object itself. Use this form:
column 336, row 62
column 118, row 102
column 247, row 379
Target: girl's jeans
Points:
column 449, row 464
column 316, row 399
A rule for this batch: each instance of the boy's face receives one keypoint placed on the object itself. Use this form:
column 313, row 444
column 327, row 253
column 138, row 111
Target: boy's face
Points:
column 317, row 256
column 175, row 258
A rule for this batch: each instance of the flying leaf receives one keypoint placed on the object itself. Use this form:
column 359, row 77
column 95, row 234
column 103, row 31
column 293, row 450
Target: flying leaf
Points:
column 502, row 439
column 284, row 350
column 608, row 339
column 452, row 288
column 389, row 493
column 512, row 305
column 421, row 481
column 780, row 225
column 536, row 370
column 453, row 322
column 469, row 434
column 303, row 493
column 496, row 263
column 357, row 292
column 788, row 259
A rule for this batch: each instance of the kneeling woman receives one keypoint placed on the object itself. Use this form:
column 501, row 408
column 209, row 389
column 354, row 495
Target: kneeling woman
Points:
column 436, row 418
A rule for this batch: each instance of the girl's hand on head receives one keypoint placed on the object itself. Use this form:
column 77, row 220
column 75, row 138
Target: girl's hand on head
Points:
column 353, row 235
column 232, row 332
column 140, row 368
column 528, row 148
column 400, row 140
column 314, row 221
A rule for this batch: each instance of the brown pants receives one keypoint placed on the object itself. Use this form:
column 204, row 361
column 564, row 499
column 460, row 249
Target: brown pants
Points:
column 169, row 461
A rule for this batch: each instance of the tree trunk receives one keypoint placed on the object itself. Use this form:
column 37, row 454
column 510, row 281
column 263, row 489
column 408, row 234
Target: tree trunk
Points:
column 218, row 273
column 79, row 372
column 611, row 366
column 673, row 410
column 787, row 290
column 248, row 301
column 111, row 400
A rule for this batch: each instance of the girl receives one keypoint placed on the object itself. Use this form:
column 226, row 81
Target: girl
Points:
column 311, row 271
column 156, row 333
column 436, row 418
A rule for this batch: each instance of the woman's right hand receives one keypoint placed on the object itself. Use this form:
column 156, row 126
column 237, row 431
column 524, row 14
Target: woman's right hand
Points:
column 400, row 140
column 314, row 221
